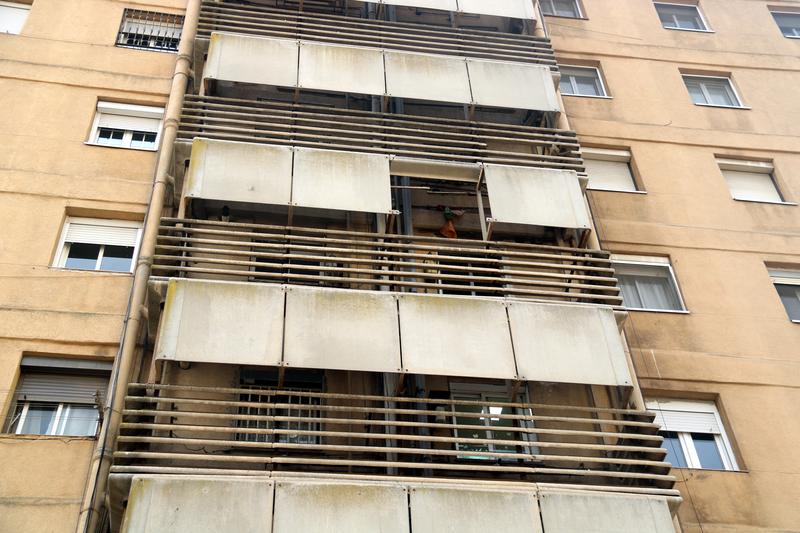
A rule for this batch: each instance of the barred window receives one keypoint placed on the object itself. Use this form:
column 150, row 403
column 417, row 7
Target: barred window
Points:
column 150, row 30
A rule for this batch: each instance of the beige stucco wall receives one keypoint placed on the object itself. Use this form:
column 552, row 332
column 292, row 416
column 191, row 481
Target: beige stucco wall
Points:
column 51, row 77
column 736, row 345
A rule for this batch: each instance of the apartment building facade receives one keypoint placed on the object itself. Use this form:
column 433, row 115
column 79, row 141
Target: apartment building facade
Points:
column 341, row 267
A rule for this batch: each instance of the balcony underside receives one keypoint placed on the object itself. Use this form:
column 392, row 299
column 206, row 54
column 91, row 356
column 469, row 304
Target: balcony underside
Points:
column 185, row 429
column 260, row 21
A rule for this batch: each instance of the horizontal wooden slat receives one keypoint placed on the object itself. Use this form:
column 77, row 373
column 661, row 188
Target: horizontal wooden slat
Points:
column 253, row 428
column 293, row 255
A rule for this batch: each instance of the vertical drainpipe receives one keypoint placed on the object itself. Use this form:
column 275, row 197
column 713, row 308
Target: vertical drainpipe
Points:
column 97, row 484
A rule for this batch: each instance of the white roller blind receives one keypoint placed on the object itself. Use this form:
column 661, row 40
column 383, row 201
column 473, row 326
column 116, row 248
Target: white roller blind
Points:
column 57, row 388
column 13, row 17
column 756, row 186
column 684, row 421
column 102, row 234
column 122, row 122
column 609, row 175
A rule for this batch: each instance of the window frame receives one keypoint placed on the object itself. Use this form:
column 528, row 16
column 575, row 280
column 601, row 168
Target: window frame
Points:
column 467, row 392
column 132, row 12
column 722, row 441
column 126, row 110
column 700, row 15
column 578, row 9
column 778, row 12
column 656, row 262
column 730, row 85
column 16, row 5
column 58, row 418
column 601, row 81
column 753, row 167
column 778, row 279
column 63, row 248
column 614, row 155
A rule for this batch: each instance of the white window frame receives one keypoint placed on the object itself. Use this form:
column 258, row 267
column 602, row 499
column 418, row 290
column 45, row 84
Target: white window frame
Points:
column 64, row 246
column 16, row 5
column 55, row 428
column 756, row 167
column 653, row 261
column 577, row 4
column 701, row 16
column 527, row 440
column 684, row 437
column 795, row 13
column 730, row 84
column 784, row 276
column 602, row 82
column 127, row 110
column 614, row 155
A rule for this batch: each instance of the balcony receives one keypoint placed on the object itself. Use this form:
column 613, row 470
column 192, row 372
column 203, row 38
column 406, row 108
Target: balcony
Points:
column 430, row 142
column 262, row 21
column 239, row 431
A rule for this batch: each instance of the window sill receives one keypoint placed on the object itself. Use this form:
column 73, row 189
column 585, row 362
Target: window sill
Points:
column 744, row 107
column 792, row 36
column 91, row 270
column 87, row 143
column 731, row 470
column 145, row 49
column 795, row 321
column 565, row 17
column 764, row 202
column 588, row 96
column 45, row 437
column 598, row 189
column 688, row 29
column 668, row 311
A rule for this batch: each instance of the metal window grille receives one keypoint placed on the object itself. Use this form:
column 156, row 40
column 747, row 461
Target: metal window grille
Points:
column 150, row 30
column 300, row 407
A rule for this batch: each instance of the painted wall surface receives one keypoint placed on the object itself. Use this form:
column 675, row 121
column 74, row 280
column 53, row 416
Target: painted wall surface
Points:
column 51, row 77
column 736, row 344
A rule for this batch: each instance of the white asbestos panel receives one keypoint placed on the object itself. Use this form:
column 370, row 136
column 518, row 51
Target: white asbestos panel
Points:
column 435, row 510
column 522, row 9
column 536, row 197
column 515, row 85
column 341, row 180
column 165, row 504
column 240, row 172
column 341, row 329
column 567, row 344
column 340, row 508
column 453, row 336
column 222, row 322
column 427, row 77
column 350, row 69
column 564, row 512
column 445, row 5
column 248, row 59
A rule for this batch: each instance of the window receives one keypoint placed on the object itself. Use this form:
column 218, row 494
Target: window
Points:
column 713, row 91
column 581, row 81
column 489, row 410
column 680, row 17
column 295, row 400
column 126, row 126
column 609, row 170
column 561, row 8
column 647, row 283
column 787, row 283
column 13, row 17
column 789, row 23
column 150, row 30
column 97, row 244
column 750, row 180
column 693, row 434
column 58, row 400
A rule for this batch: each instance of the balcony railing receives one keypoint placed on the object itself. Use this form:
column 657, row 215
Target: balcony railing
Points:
column 410, row 136
column 358, row 260
column 170, row 428
column 261, row 21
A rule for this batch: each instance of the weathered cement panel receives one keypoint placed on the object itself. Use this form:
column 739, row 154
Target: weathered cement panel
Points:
column 252, row 60
column 348, row 69
column 347, row 330
column 574, row 512
column 517, row 85
column 167, row 504
column 522, row 9
column 427, row 77
column 218, row 322
column 568, row 344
